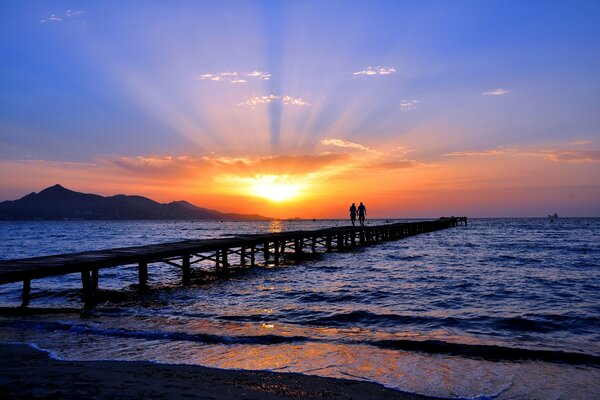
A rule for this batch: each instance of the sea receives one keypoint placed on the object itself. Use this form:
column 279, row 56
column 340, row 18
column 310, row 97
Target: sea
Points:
column 498, row 309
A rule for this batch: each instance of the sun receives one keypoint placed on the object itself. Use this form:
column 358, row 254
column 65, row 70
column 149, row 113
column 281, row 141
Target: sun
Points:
column 275, row 188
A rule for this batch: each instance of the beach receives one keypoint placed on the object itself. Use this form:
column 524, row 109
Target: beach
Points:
column 28, row 373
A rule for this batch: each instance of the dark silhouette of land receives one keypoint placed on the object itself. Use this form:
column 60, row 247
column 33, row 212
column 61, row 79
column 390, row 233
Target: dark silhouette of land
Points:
column 57, row 202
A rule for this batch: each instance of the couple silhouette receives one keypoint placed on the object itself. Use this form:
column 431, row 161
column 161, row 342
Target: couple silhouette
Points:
column 362, row 211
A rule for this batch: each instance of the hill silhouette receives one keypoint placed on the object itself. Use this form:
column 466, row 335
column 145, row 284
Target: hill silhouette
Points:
column 58, row 202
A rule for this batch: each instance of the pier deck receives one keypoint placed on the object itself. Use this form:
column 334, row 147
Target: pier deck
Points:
column 245, row 250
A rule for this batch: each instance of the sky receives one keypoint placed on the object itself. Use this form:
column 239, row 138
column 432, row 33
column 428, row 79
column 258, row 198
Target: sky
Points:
column 299, row 108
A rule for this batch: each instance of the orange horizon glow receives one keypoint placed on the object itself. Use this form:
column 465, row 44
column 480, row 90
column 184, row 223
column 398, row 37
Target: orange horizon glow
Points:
column 323, row 185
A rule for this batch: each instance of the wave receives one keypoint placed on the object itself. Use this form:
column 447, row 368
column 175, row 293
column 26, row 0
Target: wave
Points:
column 480, row 351
column 489, row 352
column 541, row 323
column 170, row 336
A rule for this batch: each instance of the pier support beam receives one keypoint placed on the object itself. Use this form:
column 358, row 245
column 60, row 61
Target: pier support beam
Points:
column 266, row 251
column 185, row 270
column 276, row 247
column 26, row 292
column 298, row 245
column 143, row 274
column 94, row 281
column 87, row 289
column 225, row 252
column 252, row 255
column 243, row 256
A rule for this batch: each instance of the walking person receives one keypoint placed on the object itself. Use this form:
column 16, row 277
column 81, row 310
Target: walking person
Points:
column 353, row 214
column 362, row 211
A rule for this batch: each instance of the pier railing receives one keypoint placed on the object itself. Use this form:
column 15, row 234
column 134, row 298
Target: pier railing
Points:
column 241, row 251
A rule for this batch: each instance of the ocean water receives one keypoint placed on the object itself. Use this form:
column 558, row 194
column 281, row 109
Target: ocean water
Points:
column 502, row 308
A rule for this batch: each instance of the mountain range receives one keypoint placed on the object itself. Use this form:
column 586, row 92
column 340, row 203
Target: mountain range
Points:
column 58, row 202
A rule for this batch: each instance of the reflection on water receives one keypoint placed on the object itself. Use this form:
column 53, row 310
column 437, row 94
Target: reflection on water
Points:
column 275, row 227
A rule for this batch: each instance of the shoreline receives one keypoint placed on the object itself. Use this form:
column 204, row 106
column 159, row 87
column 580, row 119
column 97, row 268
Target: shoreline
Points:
column 30, row 373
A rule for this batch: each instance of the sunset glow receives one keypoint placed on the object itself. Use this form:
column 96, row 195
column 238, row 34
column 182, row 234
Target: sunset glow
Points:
column 274, row 188
column 418, row 109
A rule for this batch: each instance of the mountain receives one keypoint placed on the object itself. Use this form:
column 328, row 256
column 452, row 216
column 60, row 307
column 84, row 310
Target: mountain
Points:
column 57, row 202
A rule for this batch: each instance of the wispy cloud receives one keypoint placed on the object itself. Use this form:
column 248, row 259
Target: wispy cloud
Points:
column 580, row 142
column 407, row 105
column 235, row 77
column 189, row 166
column 501, row 151
column 582, row 156
column 265, row 76
column 495, row 92
column 73, row 13
column 346, row 144
column 573, row 155
column 373, row 71
column 67, row 14
column 51, row 18
column 287, row 100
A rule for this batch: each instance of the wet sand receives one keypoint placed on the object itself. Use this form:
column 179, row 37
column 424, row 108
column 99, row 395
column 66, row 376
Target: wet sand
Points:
column 27, row 373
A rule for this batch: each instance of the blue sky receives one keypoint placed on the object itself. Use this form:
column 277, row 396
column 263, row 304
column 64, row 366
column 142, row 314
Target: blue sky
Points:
column 93, row 81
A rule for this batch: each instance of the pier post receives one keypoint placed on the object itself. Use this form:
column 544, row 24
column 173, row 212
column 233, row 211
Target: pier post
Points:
column 95, row 279
column 87, row 289
column 252, row 255
column 276, row 252
column 266, row 251
column 143, row 273
column 243, row 255
column 340, row 241
column 26, row 292
column 353, row 238
column 225, row 251
column 185, row 270
column 283, row 243
column 298, row 244
column 313, row 245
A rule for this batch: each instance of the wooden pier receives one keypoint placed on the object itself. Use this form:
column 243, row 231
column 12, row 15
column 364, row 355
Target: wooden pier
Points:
column 224, row 254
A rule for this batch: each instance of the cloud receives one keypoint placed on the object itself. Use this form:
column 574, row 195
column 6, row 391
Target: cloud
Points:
column 235, row 77
column 346, row 144
column 573, row 155
column 265, row 76
column 495, row 92
column 189, row 167
column 295, row 101
column 73, row 13
column 372, row 71
column 260, row 100
column 407, row 105
column 58, row 18
column 392, row 165
column 51, row 18
column 501, row 151
column 580, row 142
column 583, row 156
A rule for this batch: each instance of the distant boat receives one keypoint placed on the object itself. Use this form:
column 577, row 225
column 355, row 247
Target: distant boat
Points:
column 552, row 217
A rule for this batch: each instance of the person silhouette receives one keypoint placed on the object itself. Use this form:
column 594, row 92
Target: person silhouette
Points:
column 353, row 213
column 362, row 211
